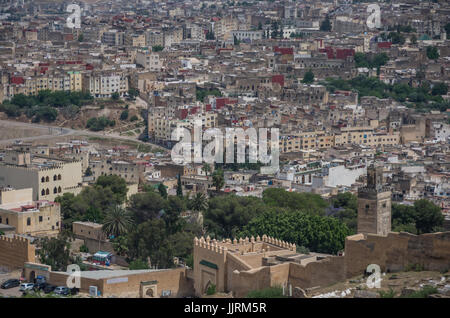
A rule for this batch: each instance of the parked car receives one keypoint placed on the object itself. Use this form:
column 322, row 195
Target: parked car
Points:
column 39, row 286
column 74, row 291
column 10, row 283
column 26, row 287
column 49, row 288
column 62, row 290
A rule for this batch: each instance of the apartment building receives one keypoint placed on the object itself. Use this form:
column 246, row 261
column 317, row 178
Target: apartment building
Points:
column 113, row 38
column 104, row 84
column 48, row 177
column 26, row 216
column 149, row 60
column 366, row 136
column 135, row 40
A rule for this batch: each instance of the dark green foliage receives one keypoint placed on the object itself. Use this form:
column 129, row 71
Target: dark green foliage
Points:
column 317, row 233
column 138, row 264
column 370, row 61
column 270, row 292
column 93, row 202
column 423, row 293
column 157, row 48
column 201, row 93
column 133, row 118
column 162, row 190
column 84, row 249
column 277, row 197
column 423, row 217
column 124, row 115
column 115, row 96
column 226, row 216
column 325, row 25
column 308, row 78
column 432, row 53
column 387, row 294
column 419, row 97
column 211, row 289
column 99, row 123
column 42, row 106
column 56, row 251
column 147, row 205
column 179, row 187
column 439, row 89
column 218, row 179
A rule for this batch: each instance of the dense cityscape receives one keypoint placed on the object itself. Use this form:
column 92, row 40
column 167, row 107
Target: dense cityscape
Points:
column 328, row 173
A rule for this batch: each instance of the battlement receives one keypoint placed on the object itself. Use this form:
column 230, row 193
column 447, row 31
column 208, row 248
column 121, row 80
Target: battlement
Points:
column 17, row 240
column 227, row 244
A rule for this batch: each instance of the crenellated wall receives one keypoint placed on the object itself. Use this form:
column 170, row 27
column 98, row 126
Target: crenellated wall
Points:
column 15, row 251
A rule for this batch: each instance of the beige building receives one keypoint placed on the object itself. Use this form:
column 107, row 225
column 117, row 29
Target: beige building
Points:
column 36, row 218
column 148, row 60
column 48, row 177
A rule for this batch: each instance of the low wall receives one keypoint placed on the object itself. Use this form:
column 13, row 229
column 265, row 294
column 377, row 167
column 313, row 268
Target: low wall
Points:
column 397, row 251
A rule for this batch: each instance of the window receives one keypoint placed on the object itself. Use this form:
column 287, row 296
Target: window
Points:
column 7, row 221
column 47, row 192
column 59, row 177
column 47, row 179
column 43, row 192
column 28, row 221
column 40, row 218
column 1, row 221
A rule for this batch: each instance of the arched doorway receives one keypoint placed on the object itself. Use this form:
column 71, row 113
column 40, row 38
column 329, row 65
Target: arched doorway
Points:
column 32, row 277
column 208, row 284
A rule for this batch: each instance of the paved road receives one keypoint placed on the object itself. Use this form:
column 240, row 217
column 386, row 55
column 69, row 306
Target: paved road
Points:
column 54, row 131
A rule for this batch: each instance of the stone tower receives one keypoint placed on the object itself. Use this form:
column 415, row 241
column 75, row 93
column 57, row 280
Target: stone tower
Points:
column 374, row 204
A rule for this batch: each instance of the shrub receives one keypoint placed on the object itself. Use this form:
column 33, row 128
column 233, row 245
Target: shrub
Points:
column 388, row 294
column 211, row 290
column 138, row 264
column 271, row 292
column 133, row 118
column 423, row 293
column 124, row 115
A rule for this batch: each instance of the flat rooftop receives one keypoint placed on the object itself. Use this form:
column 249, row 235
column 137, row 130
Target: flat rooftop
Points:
column 105, row 274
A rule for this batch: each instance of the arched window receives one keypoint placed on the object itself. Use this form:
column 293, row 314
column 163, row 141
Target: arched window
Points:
column 47, row 179
column 43, row 179
column 47, row 192
column 54, row 177
column 59, row 177
column 55, row 190
column 43, row 192
column 59, row 190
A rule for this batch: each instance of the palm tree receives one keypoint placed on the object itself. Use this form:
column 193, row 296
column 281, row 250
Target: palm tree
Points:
column 199, row 203
column 206, row 168
column 117, row 221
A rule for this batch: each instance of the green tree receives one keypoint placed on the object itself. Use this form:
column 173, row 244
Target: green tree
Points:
column 115, row 96
column 146, row 205
column 179, row 187
column 432, row 53
column 117, row 222
column 88, row 172
column 162, row 190
column 325, row 25
column 218, row 179
column 55, row 251
column 227, row 215
column 428, row 216
column 317, row 233
column 439, row 89
column 199, row 202
column 308, row 78
column 116, row 184
column 138, row 264
column 124, row 115
column 157, row 48
column 413, row 39
column 206, row 168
